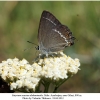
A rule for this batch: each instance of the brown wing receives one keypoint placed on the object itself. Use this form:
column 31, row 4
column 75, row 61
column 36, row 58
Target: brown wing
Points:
column 52, row 34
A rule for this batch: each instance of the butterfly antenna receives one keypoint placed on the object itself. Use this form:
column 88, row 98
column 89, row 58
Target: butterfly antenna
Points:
column 28, row 48
column 32, row 43
column 76, row 39
column 32, row 46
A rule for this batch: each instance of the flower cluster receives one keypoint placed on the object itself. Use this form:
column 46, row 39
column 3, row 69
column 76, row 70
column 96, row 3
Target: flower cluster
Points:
column 20, row 74
column 58, row 67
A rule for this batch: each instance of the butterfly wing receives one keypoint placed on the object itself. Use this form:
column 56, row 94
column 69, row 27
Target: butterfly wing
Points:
column 52, row 35
column 47, row 23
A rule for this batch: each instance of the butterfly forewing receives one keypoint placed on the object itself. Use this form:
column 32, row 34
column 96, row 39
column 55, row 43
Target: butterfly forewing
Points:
column 47, row 23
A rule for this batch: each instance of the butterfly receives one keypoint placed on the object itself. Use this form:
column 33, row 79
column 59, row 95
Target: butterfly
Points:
column 52, row 35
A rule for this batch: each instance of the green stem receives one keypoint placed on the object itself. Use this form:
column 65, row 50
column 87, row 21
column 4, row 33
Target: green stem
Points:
column 38, row 88
column 47, row 84
column 58, row 85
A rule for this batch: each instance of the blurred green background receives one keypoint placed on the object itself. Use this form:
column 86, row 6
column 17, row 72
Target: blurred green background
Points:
column 19, row 23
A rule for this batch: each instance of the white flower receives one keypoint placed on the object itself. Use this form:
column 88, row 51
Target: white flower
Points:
column 19, row 83
column 58, row 66
column 20, row 74
column 13, row 86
